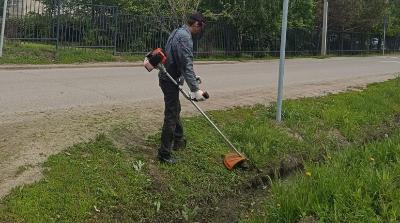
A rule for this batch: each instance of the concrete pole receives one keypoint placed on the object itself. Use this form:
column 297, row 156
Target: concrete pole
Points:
column 3, row 26
column 384, row 35
column 324, row 29
column 282, row 60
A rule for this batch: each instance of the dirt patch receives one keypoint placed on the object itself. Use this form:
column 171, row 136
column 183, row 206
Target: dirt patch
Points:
column 29, row 138
column 290, row 132
column 239, row 206
column 242, row 202
column 374, row 133
column 290, row 164
column 397, row 119
column 307, row 219
column 336, row 136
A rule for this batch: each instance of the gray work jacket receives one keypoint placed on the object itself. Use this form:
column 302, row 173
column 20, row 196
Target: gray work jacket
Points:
column 179, row 50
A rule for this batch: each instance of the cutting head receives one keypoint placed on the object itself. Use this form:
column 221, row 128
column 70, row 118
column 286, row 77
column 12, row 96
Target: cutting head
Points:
column 232, row 160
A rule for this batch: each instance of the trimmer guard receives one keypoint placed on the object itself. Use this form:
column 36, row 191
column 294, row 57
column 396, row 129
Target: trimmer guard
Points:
column 231, row 160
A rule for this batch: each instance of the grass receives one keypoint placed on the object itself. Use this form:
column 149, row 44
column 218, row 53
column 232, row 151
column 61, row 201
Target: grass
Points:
column 34, row 53
column 360, row 184
column 314, row 125
column 38, row 53
column 347, row 144
column 79, row 183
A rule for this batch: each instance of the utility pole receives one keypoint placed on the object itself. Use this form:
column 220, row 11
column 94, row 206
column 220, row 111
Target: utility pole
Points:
column 384, row 35
column 324, row 28
column 282, row 60
column 385, row 22
column 3, row 26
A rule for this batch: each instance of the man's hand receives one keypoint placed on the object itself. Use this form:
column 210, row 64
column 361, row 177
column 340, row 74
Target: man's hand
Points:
column 199, row 95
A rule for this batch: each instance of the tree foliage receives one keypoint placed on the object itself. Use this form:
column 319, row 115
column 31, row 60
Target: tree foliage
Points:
column 265, row 15
column 394, row 18
column 361, row 15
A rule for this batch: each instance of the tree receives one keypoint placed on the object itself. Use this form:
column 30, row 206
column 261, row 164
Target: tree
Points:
column 258, row 22
column 302, row 14
column 354, row 15
column 394, row 18
column 181, row 8
column 264, row 14
column 1, row 7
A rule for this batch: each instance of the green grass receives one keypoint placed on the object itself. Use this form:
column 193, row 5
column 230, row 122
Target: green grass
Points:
column 98, row 182
column 88, row 179
column 312, row 126
column 32, row 53
column 38, row 53
column 334, row 137
column 361, row 184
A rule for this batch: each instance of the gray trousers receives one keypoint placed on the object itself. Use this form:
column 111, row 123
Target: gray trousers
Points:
column 172, row 128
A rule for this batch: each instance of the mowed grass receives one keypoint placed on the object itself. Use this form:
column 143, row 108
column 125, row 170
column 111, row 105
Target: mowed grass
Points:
column 99, row 182
column 41, row 53
column 16, row 52
column 37, row 53
column 89, row 178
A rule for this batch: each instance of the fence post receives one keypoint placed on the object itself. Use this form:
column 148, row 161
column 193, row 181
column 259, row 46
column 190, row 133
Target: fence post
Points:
column 58, row 2
column 341, row 43
column 384, row 35
column 3, row 26
column 115, row 30
column 351, row 43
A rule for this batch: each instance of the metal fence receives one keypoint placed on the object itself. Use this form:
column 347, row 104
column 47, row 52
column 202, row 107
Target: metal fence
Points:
column 29, row 21
column 107, row 27
column 78, row 26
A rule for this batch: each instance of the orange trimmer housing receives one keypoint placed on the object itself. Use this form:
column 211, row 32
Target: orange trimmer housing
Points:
column 154, row 58
column 232, row 160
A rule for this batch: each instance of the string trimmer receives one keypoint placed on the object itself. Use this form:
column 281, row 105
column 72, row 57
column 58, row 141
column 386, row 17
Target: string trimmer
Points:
column 156, row 60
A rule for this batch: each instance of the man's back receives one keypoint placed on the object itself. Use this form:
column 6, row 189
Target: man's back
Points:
column 179, row 50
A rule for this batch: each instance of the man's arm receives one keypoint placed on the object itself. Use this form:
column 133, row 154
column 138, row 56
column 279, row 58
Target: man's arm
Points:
column 185, row 53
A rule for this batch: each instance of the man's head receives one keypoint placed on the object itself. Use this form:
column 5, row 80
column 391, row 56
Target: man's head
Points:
column 196, row 23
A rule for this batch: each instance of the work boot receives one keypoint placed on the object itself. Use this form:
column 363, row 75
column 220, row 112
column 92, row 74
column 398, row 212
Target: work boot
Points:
column 167, row 160
column 179, row 144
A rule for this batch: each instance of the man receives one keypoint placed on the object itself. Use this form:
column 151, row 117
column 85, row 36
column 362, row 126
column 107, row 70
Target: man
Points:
column 179, row 51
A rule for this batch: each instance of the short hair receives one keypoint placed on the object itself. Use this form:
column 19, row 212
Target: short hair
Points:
column 195, row 17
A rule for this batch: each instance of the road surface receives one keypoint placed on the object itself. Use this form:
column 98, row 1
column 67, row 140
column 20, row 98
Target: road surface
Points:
column 38, row 90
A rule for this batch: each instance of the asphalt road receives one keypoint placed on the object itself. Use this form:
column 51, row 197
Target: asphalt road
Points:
column 45, row 89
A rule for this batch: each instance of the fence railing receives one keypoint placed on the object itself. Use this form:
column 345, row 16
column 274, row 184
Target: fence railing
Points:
column 107, row 27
